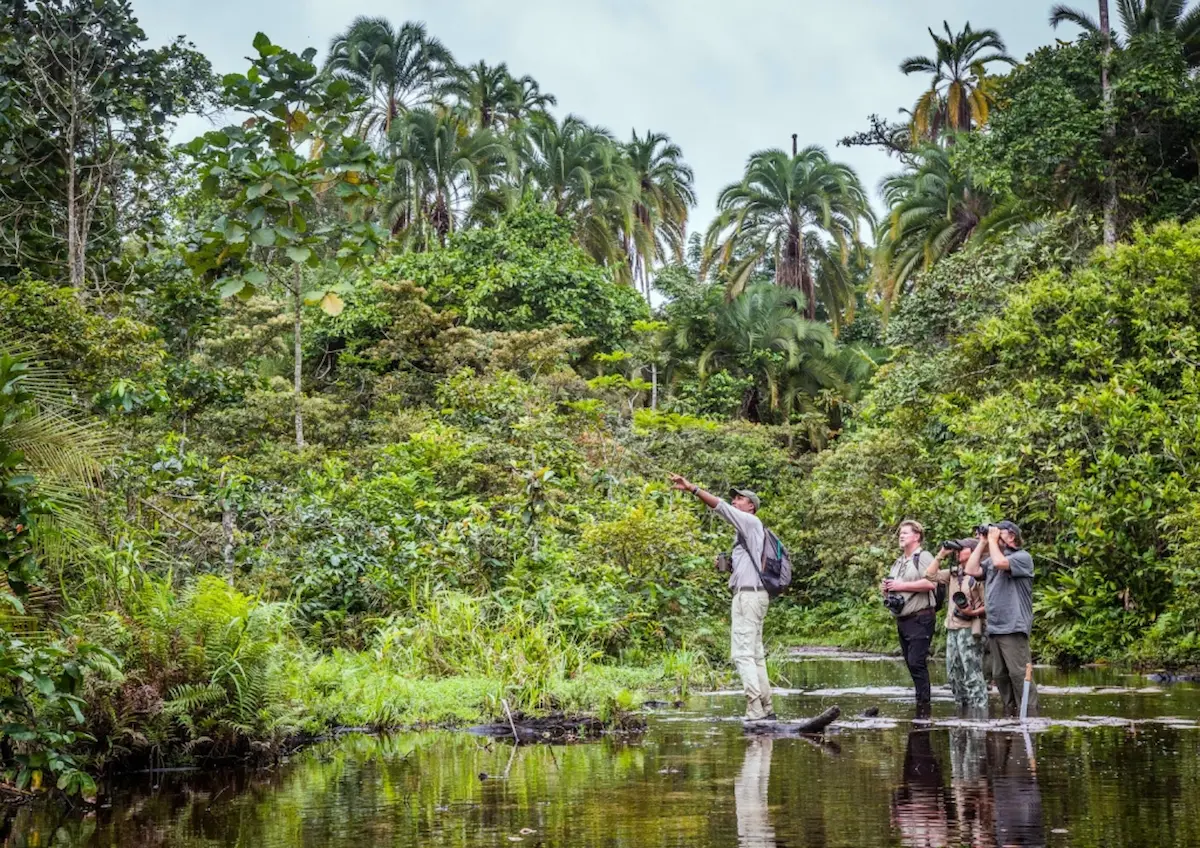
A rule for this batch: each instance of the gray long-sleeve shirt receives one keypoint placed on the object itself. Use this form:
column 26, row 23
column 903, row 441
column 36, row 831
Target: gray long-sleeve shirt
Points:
column 745, row 570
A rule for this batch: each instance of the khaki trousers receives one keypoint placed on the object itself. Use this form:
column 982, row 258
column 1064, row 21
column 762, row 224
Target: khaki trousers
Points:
column 1010, row 653
column 746, row 649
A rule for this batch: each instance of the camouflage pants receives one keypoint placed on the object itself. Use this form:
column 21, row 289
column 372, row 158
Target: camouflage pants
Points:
column 964, row 668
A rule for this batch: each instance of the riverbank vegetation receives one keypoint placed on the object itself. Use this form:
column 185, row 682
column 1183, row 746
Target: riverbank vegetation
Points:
column 358, row 411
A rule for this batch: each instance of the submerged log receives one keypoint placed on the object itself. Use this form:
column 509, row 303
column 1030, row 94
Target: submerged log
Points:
column 555, row 727
column 810, row 725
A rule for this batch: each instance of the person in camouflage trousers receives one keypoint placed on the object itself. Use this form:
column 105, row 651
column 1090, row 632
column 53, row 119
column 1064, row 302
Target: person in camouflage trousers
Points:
column 964, row 625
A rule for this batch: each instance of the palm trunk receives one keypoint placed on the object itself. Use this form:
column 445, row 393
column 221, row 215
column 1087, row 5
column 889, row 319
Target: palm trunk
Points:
column 654, row 385
column 1110, row 188
column 297, row 352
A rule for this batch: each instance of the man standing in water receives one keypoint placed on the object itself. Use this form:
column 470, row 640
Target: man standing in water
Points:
column 909, row 596
column 750, row 597
column 1007, row 570
column 964, row 625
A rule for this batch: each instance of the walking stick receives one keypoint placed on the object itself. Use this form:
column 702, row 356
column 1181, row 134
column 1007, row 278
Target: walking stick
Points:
column 1025, row 693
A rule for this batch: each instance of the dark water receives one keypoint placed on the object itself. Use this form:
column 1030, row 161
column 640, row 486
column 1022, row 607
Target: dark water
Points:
column 1114, row 761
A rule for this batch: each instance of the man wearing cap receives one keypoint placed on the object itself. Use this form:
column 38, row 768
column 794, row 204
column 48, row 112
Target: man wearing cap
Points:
column 1007, row 571
column 916, row 618
column 750, row 598
column 964, row 625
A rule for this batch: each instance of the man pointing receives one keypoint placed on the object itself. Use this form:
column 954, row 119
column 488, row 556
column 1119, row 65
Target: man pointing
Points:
column 750, row 597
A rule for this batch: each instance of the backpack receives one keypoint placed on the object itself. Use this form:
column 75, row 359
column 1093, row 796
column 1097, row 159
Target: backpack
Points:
column 775, row 567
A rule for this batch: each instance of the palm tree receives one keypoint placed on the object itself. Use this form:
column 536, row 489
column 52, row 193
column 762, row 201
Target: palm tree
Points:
column 484, row 91
column 768, row 213
column 762, row 333
column 444, row 173
column 527, row 100
column 935, row 210
column 959, row 95
column 396, row 70
column 660, row 209
column 1140, row 17
column 579, row 171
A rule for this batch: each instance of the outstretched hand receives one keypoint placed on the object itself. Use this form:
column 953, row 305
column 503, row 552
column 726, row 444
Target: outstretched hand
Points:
column 678, row 481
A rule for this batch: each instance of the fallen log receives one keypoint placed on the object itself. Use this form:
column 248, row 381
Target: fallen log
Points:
column 554, row 728
column 792, row 728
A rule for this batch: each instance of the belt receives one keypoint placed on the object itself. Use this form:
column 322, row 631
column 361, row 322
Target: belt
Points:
column 916, row 614
column 748, row 589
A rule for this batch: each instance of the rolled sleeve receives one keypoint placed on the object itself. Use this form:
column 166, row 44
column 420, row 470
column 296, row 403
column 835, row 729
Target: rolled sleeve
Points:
column 1020, row 564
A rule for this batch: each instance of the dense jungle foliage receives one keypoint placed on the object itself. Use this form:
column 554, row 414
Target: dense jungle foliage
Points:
column 359, row 410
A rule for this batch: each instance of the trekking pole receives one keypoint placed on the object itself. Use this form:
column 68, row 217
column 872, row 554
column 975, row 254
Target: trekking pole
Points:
column 1025, row 693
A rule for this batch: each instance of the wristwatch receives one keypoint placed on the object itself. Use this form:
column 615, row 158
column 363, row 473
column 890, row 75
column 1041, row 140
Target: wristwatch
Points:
column 695, row 488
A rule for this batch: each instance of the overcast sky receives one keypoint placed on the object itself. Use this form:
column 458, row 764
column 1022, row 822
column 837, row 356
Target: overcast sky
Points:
column 723, row 78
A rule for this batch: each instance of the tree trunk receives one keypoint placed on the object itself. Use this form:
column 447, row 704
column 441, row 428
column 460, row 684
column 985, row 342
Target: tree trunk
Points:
column 654, row 385
column 1110, row 188
column 75, row 244
column 297, row 303
column 228, row 524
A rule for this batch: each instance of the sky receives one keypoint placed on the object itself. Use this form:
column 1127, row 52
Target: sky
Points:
column 722, row 78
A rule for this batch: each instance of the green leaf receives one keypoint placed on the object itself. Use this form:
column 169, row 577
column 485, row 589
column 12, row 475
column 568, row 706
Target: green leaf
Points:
column 257, row 190
column 235, row 233
column 230, row 286
column 264, row 46
column 299, row 254
column 263, row 236
column 313, row 296
column 256, row 277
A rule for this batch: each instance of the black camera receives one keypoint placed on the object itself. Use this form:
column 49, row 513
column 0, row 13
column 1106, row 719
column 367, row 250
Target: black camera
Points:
column 894, row 601
column 961, row 604
column 724, row 562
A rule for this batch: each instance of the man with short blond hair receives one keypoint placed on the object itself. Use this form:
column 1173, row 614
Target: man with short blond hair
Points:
column 910, row 597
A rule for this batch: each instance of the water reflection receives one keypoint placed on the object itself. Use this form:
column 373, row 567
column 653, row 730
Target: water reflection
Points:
column 693, row 780
column 992, row 799
column 750, row 796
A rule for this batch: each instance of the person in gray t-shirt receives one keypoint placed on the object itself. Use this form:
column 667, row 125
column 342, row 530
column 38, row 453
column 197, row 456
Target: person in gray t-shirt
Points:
column 1007, row 570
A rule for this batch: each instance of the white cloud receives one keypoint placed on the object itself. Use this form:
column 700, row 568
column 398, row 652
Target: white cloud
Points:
column 722, row 78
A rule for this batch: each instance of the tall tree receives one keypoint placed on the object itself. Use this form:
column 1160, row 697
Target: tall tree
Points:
column 485, row 92
column 1141, row 17
column 959, row 95
column 580, row 172
column 394, row 70
column 85, row 114
column 444, row 172
column 768, row 213
column 269, row 173
column 934, row 209
column 660, row 209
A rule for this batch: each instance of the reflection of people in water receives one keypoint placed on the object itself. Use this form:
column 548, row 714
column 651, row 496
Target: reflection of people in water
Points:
column 969, row 787
column 1016, row 798
column 919, row 806
column 750, row 796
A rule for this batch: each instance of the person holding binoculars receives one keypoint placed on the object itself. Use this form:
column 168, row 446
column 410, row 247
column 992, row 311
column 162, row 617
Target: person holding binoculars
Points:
column 964, row 623
column 1007, row 571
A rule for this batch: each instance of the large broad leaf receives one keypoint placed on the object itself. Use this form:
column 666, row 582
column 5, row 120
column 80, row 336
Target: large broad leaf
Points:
column 256, row 277
column 263, row 236
column 257, row 190
column 235, row 233
column 299, row 254
column 264, row 46
column 229, row 286
column 332, row 304
column 313, row 296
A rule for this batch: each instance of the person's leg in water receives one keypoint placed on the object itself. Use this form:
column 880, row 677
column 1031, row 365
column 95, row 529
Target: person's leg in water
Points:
column 1013, row 650
column 971, row 652
column 917, row 633
column 747, row 614
column 760, row 658
column 955, row 667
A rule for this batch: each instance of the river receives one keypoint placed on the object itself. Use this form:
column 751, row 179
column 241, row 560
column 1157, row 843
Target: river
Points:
column 1113, row 761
